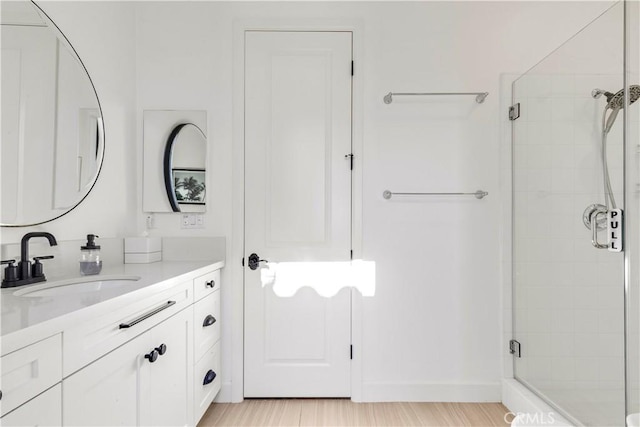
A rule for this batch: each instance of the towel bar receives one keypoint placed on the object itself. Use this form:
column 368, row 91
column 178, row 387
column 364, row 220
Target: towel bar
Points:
column 479, row 194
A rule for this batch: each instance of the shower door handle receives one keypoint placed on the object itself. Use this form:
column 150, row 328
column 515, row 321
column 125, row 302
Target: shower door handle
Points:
column 594, row 230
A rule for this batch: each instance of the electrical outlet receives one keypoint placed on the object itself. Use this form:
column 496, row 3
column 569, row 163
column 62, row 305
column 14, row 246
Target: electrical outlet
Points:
column 192, row 221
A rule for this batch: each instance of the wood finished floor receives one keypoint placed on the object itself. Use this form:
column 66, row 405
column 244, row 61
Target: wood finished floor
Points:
column 343, row 412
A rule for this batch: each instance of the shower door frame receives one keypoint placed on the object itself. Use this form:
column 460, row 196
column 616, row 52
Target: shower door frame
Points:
column 631, row 220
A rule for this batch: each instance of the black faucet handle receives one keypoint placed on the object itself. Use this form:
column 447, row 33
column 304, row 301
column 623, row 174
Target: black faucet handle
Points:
column 10, row 272
column 36, row 268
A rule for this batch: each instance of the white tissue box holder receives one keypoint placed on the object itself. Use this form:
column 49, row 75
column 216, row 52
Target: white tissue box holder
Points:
column 142, row 250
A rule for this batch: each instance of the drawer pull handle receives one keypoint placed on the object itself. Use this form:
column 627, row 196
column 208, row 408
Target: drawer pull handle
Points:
column 162, row 349
column 147, row 315
column 208, row 321
column 210, row 284
column 153, row 356
column 208, row 379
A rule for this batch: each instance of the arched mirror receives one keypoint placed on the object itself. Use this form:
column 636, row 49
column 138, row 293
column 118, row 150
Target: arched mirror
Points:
column 52, row 134
column 185, row 168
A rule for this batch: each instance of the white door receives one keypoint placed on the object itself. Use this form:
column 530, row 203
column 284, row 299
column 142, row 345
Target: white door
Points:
column 297, row 210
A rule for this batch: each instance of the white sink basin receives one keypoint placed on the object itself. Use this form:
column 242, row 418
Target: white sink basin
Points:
column 76, row 286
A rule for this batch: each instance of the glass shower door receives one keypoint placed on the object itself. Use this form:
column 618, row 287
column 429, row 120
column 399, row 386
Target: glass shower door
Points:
column 569, row 315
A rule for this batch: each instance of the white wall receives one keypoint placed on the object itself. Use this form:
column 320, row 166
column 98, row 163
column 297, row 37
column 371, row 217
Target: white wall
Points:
column 102, row 34
column 432, row 331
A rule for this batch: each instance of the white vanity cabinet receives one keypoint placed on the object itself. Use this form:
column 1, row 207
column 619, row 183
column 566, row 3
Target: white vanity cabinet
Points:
column 139, row 383
column 150, row 358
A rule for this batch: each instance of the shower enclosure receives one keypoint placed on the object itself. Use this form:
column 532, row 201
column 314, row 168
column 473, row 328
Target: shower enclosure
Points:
column 575, row 175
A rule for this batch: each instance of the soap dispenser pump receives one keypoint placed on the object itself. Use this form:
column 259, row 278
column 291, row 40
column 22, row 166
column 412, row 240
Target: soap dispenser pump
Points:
column 90, row 262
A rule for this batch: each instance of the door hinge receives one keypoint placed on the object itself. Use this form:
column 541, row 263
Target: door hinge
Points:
column 514, row 111
column 352, row 67
column 351, row 352
column 514, row 348
column 243, row 262
column 351, row 255
column 350, row 156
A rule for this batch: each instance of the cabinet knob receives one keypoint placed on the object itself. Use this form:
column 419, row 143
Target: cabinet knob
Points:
column 209, row 377
column 162, row 349
column 208, row 321
column 153, row 356
column 210, row 284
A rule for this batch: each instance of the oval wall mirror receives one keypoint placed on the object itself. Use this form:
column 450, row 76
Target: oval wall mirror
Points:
column 185, row 168
column 52, row 132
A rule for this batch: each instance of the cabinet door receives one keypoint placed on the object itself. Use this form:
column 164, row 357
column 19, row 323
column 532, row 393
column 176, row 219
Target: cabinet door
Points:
column 44, row 410
column 168, row 395
column 107, row 391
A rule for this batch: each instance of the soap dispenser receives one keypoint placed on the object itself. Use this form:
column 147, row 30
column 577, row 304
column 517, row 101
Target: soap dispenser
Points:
column 90, row 262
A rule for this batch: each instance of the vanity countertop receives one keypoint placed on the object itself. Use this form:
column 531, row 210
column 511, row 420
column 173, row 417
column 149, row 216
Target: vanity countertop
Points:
column 26, row 319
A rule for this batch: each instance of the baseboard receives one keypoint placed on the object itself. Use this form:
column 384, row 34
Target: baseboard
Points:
column 431, row 392
column 224, row 396
column 529, row 408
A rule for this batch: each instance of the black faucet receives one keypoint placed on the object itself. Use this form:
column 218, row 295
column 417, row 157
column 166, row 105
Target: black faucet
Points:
column 26, row 273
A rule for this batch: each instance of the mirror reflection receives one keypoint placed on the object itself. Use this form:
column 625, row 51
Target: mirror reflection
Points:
column 52, row 135
column 184, row 168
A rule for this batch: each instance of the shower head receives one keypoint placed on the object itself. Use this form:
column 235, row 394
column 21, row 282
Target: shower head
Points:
column 616, row 101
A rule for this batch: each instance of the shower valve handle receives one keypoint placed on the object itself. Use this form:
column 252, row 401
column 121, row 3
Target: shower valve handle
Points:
column 594, row 229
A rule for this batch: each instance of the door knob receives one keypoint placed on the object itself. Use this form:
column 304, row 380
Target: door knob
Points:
column 162, row 349
column 254, row 261
column 152, row 357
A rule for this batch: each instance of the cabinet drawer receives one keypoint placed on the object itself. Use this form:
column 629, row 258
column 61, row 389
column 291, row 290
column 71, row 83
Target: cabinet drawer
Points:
column 206, row 284
column 44, row 410
column 30, row 371
column 87, row 342
column 206, row 311
column 205, row 393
